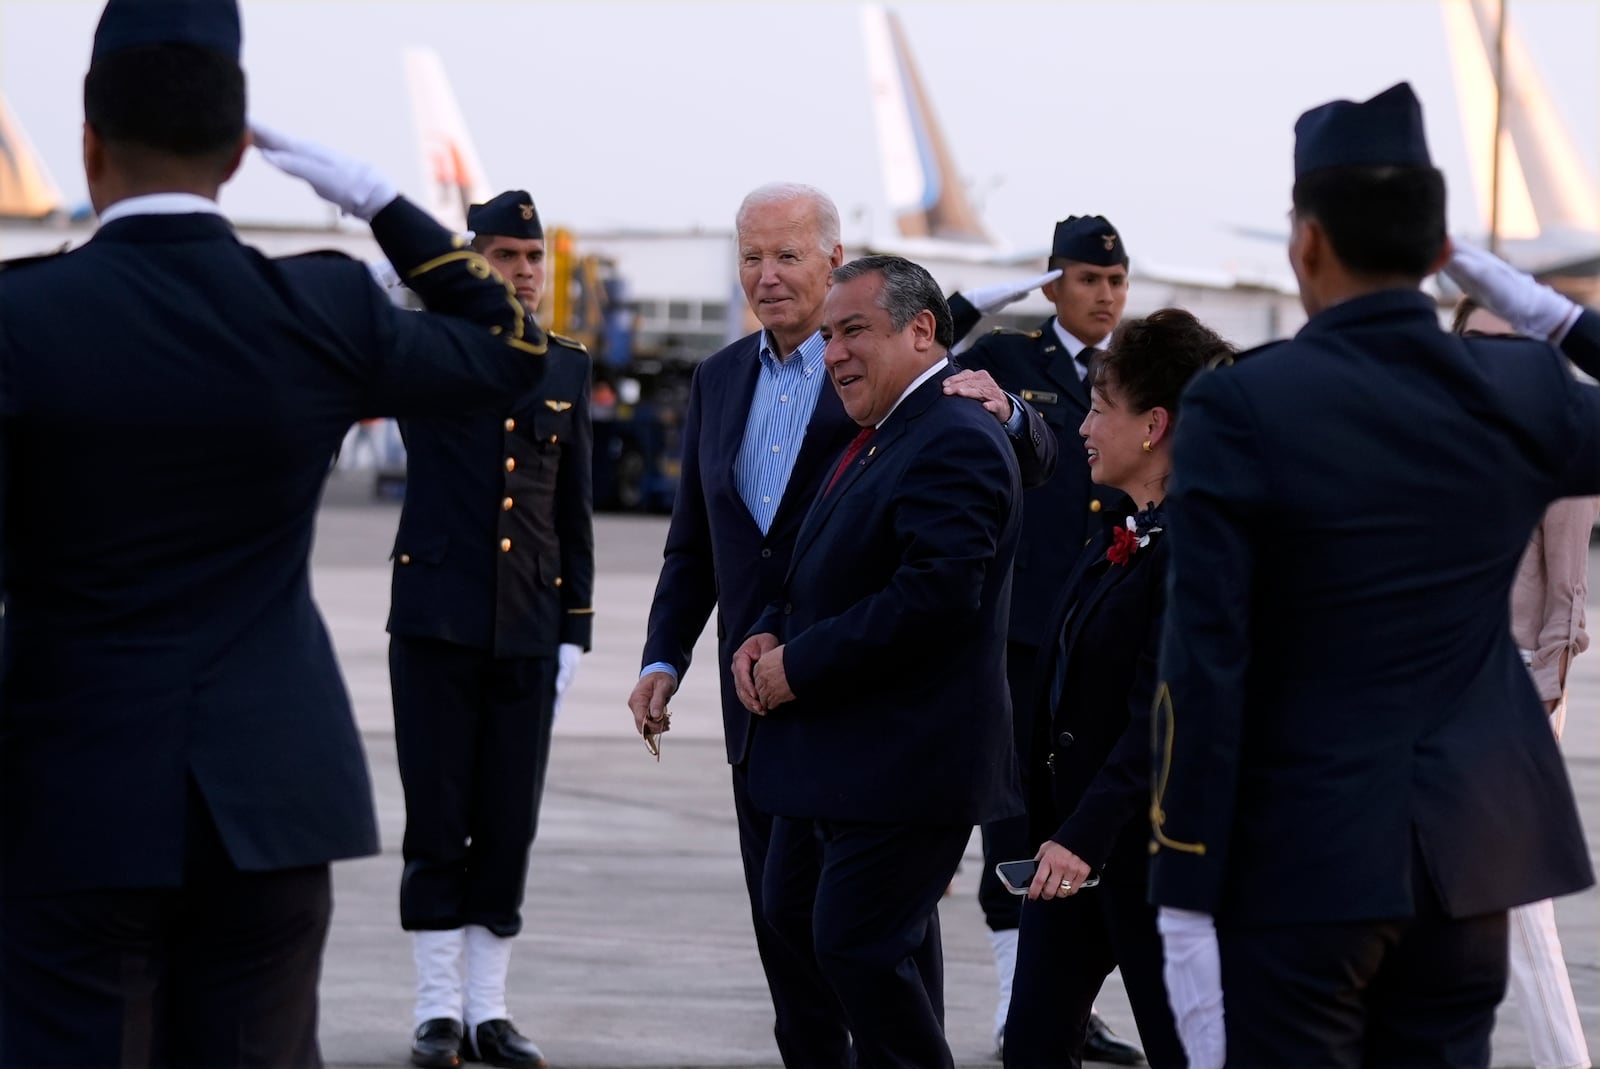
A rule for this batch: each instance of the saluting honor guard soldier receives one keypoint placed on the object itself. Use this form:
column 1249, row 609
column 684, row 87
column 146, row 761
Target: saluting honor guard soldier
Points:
column 1048, row 368
column 178, row 762
column 1356, row 777
column 493, row 575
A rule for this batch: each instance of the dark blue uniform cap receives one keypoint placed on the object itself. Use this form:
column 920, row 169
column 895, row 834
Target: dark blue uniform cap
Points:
column 126, row 23
column 510, row 215
column 1088, row 239
column 1385, row 131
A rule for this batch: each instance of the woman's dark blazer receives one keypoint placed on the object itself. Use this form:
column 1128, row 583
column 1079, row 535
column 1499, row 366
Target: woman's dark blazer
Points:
column 1089, row 787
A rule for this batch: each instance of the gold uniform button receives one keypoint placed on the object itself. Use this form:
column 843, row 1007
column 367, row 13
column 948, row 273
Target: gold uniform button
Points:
column 511, row 424
column 405, row 558
column 1094, row 506
column 511, row 463
column 558, row 580
column 505, row 506
column 552, row 437
column 505, row 545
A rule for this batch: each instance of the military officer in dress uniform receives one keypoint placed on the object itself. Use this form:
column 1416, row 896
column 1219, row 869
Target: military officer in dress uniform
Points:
column 493, row 574
column 1048, row 368
column 1356, row 777
column 178, row 762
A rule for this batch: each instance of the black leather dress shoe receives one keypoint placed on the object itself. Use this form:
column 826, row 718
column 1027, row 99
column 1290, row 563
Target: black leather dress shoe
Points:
column 437, row 1044
column 499, row 1043
column 1101, row 1044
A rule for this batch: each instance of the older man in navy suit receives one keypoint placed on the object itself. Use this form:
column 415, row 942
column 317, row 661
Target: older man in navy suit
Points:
column 878, row 672
column 178, row 762
column 1360, row 779
column 761, row 430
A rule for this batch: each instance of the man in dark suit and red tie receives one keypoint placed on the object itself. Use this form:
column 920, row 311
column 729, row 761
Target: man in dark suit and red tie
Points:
column 878, row 673
column 762, row 430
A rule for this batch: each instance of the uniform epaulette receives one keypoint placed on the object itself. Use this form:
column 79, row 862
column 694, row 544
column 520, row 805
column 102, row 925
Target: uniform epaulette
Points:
column 570, row 343
column 36, row 258
column 1018, row 333
column 326, row 254
column 1234, row 358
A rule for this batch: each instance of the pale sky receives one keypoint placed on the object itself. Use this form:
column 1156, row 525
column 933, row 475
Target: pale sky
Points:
column 1175, row 119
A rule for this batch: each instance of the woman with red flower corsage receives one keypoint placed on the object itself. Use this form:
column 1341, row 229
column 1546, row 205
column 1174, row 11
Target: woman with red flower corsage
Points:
column 1089, row 792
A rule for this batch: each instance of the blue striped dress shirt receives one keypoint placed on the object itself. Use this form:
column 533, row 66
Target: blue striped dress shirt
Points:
column 786, row 395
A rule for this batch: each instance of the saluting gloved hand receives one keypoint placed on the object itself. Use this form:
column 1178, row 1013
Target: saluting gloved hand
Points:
column 359, row 189
column 990, row 299
column 566, row 669
column 1531, row 307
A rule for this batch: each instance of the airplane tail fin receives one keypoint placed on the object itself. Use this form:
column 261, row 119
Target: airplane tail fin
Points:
column 1544, row 184
column 26, row 189
column 453, row 175
column 925, row 193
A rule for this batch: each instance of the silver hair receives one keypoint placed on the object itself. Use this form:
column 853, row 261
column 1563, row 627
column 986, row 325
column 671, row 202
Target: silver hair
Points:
column 827, row 216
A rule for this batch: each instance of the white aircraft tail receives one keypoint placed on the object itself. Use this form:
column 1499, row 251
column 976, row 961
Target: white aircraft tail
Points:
column 26, row 189
column 452, row 174
column 924, row 191
column 1545, row 187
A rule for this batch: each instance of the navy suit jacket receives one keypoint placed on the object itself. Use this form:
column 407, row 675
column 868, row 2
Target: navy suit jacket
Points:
column 1089, row 785
column 1341, row 685
column 715, row 555
column 171, row 400
column 893, row 618
column 1060, row 514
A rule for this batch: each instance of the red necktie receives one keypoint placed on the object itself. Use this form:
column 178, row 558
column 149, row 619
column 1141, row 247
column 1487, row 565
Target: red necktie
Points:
column 849, row 454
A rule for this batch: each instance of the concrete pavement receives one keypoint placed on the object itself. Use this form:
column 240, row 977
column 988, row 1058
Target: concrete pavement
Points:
column 637, row 949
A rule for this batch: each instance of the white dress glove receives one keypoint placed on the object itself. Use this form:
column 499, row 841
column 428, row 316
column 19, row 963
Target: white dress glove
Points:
column 1192, row 969
column 989, row 299
column 566, row 668
column 1531, row 307
column 359, row 189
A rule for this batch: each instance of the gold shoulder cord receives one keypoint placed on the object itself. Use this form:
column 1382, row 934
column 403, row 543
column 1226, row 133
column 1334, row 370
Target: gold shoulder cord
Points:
column 1158, row 816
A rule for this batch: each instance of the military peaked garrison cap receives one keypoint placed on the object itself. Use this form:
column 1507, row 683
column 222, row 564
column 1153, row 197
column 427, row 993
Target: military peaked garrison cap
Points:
column 510, row 215
column 1088, row 239
column 127, row 23
column 1383, row 131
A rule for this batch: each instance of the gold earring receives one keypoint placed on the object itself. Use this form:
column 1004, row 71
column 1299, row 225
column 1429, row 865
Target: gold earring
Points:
column 1147, row 445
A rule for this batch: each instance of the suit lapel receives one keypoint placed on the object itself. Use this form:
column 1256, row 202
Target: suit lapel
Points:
column 880, row 443
column 1115, row 575
column 734, row 412
column 827, row 433
column 1061, row 367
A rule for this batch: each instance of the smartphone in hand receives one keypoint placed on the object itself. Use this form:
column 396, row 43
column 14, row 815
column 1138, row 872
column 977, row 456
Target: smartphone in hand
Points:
column 1017, row 876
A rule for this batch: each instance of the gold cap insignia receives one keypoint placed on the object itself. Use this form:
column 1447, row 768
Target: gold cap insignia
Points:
column 1110, row 241
column 527, row 213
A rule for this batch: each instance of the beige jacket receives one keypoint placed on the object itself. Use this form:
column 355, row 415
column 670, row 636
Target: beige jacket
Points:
column 1548, row 595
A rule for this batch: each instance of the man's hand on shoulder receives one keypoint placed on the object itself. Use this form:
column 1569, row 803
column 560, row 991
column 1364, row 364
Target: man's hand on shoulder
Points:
column 648, row 702
column 980, row 386
column 745, row 659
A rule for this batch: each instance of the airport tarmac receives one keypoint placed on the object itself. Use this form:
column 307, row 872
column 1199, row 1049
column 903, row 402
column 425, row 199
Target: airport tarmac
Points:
column 636, row 948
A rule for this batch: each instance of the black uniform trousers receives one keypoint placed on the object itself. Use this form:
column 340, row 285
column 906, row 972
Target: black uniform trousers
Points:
column 809, row 1031
column 472, row 733
column 872, row 918
column 220, row 971
column 1007, row 840
column 1067, row 948
column 1418, row 992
